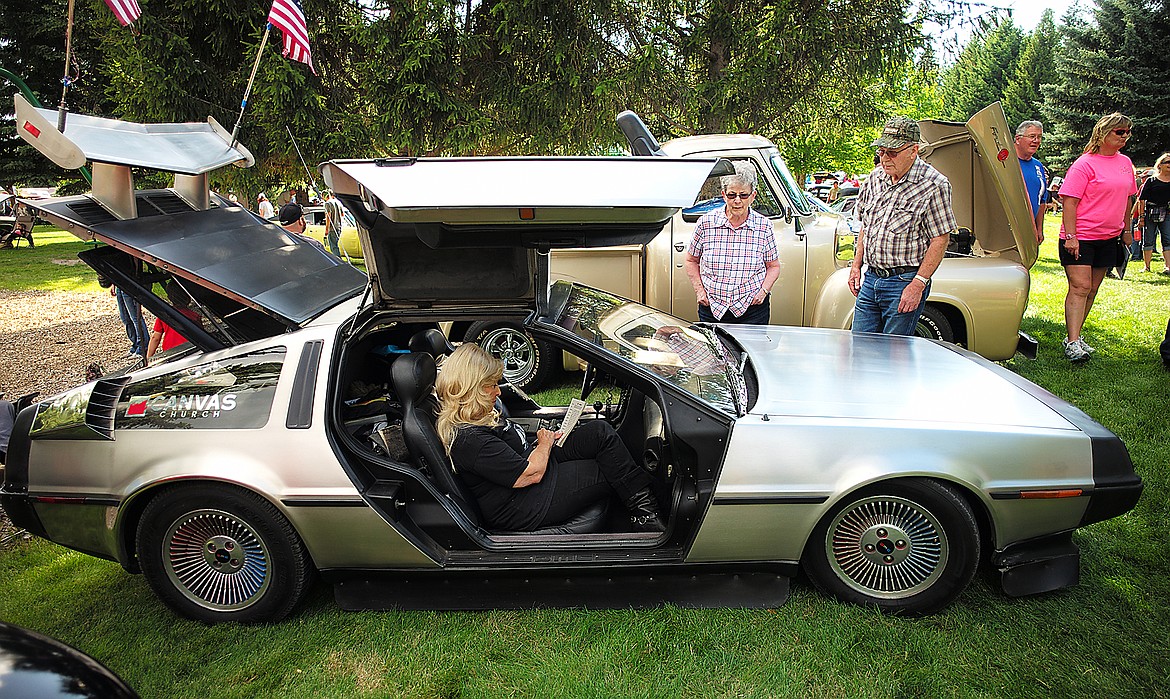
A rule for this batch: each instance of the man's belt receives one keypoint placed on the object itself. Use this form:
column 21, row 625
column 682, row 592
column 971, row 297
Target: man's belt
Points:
column 893, row 271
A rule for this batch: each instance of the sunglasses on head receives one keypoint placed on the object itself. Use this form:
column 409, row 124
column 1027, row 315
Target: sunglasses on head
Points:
column 1123, row 132
column 741, row 195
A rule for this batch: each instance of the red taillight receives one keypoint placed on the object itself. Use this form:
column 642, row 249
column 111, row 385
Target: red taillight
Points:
column 36, row 133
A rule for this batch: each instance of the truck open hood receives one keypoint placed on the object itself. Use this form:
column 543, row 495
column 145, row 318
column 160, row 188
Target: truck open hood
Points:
column 979, row 159
column 443, row 231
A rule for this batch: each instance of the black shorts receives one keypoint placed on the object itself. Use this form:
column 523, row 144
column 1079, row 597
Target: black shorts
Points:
column 1095, row 253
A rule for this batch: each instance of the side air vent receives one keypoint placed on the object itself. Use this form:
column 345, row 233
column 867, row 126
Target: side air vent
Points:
column 91, row 213
column 161, row 204
column 103, row 403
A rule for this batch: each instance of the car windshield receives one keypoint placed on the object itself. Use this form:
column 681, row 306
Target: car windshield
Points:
column 689, row 357
column 795, row 193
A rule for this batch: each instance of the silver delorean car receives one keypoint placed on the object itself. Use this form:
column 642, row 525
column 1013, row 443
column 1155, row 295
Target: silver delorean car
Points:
column 293, row 436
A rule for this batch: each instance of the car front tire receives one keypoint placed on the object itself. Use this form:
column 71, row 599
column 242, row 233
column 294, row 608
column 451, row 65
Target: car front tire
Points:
column 215, row 554
column 933, row 324
column 528, row 363
column 907, row 547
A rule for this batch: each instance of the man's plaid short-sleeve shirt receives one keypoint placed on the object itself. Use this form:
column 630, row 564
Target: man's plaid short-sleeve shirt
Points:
column 732, row 261
column 900, row 219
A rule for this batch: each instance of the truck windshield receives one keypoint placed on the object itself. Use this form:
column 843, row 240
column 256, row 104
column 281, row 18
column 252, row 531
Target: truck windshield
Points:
column 685, row 356
column 795, row 193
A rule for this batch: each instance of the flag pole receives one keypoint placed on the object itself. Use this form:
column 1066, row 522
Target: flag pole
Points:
column 312, row 180
column 251, row 79
column 61, row 109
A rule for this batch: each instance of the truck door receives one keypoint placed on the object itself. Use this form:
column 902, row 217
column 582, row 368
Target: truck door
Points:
column 788, row 293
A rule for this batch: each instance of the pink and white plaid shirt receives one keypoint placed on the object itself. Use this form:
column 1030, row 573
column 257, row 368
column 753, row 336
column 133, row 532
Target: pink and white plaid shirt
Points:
column 733, row 261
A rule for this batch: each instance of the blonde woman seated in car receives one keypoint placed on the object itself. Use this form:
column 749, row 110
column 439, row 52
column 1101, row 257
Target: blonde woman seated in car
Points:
column 520, row 485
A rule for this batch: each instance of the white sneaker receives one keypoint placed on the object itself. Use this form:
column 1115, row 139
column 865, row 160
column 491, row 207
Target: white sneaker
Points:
column 1085, row 346
column 1073, row 351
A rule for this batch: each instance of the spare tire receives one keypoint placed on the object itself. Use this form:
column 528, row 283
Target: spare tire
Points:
column 528, row 363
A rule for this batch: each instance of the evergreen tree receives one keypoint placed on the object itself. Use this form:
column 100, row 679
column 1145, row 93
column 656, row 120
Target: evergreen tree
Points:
column 982, row 71
column 1036, row 66
column 1115, row 62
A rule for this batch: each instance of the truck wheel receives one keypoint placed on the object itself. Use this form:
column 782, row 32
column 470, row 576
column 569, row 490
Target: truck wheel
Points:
column 528, row 363
column 908, row 547
column 933, row 324
column 214, row 554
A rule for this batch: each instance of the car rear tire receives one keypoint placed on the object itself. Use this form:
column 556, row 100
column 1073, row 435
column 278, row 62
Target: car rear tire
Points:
column 933, row 324
column 907, row 547
column 528, row 363
column 214, row 554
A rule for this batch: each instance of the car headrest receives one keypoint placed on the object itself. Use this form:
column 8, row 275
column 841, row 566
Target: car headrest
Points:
column 413, row 376
column 432, row 341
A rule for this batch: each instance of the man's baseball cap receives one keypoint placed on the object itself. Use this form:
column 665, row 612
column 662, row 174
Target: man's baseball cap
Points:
column 898, row 132
column 290, row 213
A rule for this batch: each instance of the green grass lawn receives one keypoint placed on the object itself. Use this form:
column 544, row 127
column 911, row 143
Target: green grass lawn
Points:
column 51, row 265
column 1104, row 638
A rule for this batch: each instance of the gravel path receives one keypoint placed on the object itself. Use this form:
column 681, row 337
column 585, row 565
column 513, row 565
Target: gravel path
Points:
column 47, row 338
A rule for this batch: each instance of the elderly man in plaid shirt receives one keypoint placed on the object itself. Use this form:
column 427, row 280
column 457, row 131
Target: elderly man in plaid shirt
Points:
column 906, row 221
column 732, row 260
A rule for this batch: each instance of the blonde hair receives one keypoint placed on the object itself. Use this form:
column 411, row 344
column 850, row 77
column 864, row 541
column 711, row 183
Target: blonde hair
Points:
column 1104, row 125
column 462, row 400
column 1158, row 163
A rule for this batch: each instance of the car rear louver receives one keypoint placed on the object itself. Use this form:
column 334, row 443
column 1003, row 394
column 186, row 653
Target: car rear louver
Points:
column 161, row 204
column 103, row 403
column 90, row 213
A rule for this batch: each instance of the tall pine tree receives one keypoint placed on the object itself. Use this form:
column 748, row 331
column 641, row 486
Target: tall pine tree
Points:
column 1114, row 62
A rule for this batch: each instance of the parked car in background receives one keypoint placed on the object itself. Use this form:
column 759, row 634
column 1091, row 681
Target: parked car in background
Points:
column 295, row 433
column 348, row 242
column 977, row 297
column 34, row 666
column 850, row 221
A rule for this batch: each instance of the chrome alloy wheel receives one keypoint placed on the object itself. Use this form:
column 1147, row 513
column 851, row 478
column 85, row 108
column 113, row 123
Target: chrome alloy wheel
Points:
column 887, row 547
column 514, row 349
column 216, row 560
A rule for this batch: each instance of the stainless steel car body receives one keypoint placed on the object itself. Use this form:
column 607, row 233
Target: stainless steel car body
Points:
column 839, row 411
column 254, row 438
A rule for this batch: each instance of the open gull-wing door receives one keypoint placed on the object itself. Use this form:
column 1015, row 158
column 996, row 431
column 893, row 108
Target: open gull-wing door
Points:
column 454, row 230
column 990, row 198
column 242, row 261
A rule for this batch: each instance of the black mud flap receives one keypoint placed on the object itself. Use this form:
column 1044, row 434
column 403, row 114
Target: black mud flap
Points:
column 596, row 589
column 1027, row 345
column 1042, row 565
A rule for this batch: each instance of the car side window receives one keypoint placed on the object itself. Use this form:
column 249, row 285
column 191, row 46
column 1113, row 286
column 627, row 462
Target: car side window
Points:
column 711, row 196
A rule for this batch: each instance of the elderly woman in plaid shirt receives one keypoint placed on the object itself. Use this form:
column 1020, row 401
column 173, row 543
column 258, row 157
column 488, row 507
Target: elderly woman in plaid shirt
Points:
column 732, row 260
column 906, row 221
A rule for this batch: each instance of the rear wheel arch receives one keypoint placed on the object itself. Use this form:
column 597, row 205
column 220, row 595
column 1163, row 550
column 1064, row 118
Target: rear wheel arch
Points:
column 130, row 514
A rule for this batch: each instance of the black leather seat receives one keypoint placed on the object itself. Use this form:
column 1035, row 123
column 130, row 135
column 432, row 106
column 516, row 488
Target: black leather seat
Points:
column 413, row 376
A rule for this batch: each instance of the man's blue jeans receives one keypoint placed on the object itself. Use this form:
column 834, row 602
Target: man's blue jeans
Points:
column 759, row 314
column 876, row 309
column 131, row 314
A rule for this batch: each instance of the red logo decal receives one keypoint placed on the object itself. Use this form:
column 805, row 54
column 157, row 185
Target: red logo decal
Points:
column 32, row 129
column 1003, row 155
column 136, row 409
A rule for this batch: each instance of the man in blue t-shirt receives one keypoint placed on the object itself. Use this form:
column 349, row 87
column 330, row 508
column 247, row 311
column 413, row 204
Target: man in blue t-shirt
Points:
column 1028, row 137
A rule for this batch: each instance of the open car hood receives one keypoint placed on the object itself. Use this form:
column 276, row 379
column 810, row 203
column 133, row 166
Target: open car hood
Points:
column 446, row 231
column 979, row 159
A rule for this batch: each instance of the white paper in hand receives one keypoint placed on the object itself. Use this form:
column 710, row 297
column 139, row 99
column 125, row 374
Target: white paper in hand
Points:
column 571, row 416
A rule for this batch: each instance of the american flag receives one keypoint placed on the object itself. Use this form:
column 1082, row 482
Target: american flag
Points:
column 289, row 18
column 125, row 10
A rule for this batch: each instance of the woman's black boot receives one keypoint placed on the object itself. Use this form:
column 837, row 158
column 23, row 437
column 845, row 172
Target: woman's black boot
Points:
column 644, row 517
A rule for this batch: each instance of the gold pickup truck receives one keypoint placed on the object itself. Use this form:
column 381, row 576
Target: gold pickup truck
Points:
column 978, row 295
